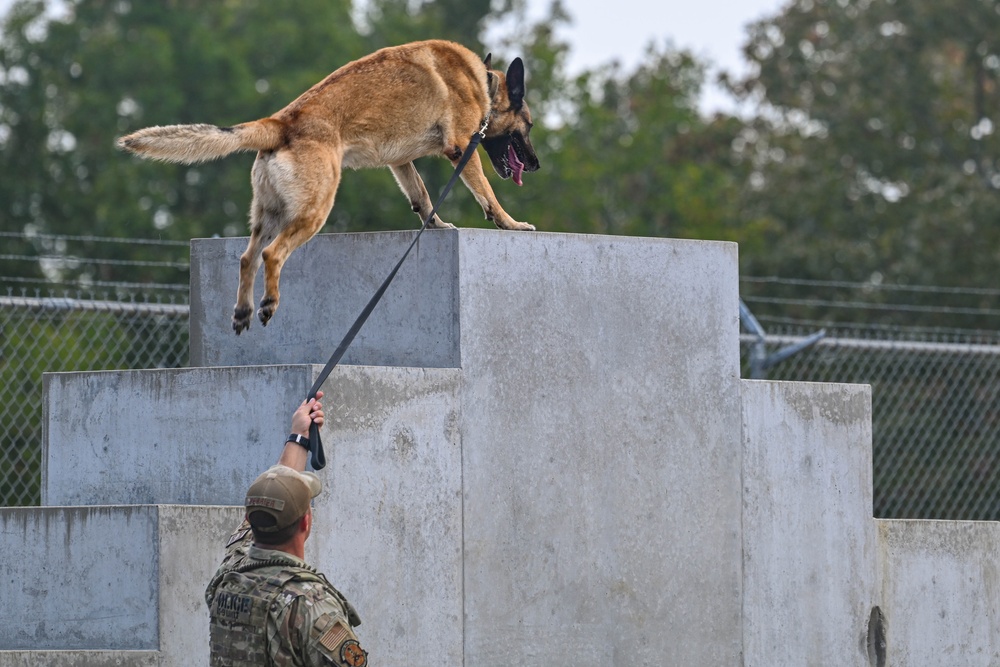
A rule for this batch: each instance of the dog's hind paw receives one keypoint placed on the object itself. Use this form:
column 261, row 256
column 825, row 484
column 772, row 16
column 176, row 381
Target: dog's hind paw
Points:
column 266, row 310
column 241, row 318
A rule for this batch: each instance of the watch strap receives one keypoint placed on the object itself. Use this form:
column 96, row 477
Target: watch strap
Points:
column 300, row 440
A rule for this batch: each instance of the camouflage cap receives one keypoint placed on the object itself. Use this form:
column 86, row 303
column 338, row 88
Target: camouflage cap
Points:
column 280, row 497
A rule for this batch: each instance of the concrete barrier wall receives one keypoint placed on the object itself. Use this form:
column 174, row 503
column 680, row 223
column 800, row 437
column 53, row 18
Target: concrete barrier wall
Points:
column 191, row 436
column 601, row 450
column 549, row 459
column 809, row 542
column 941, row 592
column 324, row 286
column 388, row 529
column 79, row 578
column 108, row 585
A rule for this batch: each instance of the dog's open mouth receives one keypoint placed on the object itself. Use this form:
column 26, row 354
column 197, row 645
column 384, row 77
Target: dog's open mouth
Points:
column 508, row 157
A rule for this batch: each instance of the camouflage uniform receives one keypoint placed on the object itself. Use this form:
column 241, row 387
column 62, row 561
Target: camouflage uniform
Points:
column 268, row 607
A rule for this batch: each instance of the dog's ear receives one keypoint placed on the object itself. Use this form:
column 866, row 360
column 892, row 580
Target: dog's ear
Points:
column 492, row 83
column 515, row 83
column 488, row 61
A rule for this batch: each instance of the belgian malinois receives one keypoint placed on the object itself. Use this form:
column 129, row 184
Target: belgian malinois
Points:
column 386, row 109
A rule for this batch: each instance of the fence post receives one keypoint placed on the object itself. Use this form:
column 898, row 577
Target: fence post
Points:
column 760, row 361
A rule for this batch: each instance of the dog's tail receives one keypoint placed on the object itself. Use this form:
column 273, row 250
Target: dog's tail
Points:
column 197, row 143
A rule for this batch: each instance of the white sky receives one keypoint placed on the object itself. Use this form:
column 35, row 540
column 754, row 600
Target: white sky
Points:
column 714, row 30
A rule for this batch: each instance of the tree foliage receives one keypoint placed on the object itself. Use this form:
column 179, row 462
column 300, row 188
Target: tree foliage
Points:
column 872, row 156
column 633, row 156
column 625, row 152
column 875, row 157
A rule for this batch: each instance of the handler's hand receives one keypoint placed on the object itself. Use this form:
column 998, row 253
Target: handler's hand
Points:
column 310, row 411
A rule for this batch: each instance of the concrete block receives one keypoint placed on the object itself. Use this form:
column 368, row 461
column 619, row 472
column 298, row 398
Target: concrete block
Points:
column 388, row 525
column 79, row 578
column 388, row 529
column 571, row 493
column 82, row 658
column 188, row 436
column 192, row 542
column 941, row 592
column 109, row 585
column 601, row 450
column 324, row 286
column 808, row 537
column 422, row 320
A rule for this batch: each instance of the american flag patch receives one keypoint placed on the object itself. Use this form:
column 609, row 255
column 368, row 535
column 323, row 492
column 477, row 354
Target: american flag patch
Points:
column 334, row 637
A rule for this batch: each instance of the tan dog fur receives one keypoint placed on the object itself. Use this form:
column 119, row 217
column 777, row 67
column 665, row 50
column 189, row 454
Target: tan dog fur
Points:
column 386, row 109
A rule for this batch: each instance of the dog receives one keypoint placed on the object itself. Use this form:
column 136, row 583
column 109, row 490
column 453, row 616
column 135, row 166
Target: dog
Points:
column 385, row 109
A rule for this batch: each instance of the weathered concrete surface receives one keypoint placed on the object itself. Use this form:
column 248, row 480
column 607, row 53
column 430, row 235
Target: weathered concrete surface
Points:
column 190, row 550
column 809, row 580
column 82, row 578
column 578, row 476
column 601, row 450
column 324, row 286
column 388, row 527
column 599, row 504
column 189, row 436
column 108, row 585
column 82, row 659
column 941, row 587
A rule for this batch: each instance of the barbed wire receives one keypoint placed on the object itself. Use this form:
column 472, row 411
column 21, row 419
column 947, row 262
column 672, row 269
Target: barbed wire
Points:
column 862, row 305
column 105, row 284
column 868, row 286
column 94, row 239
column 73, row 259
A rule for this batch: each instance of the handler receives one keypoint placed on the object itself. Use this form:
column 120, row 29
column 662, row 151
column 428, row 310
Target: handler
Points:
column 267, row 606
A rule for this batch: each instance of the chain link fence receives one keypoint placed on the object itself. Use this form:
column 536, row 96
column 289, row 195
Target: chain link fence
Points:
column 42, row 334
column 935, row 416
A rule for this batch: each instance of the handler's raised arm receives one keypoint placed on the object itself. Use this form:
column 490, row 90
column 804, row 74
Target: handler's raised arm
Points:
column 296, row 452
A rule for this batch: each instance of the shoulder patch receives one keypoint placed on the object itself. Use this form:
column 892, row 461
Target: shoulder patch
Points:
column 352, row 654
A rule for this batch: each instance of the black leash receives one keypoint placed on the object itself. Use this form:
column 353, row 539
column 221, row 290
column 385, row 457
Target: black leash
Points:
column 315, row 443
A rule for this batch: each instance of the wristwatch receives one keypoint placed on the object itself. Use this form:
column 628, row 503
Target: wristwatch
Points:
column 300, row 440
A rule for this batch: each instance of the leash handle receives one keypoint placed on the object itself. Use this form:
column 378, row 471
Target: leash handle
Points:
column 315, row 442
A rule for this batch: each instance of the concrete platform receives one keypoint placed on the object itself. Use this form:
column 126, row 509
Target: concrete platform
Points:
column 108, row 585
column 537, row 485
column 540, row 452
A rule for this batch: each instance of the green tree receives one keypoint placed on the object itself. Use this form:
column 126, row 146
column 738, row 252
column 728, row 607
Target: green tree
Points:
column 622, row 152
column 74, row 83
column 875, row 155
column 632, row 155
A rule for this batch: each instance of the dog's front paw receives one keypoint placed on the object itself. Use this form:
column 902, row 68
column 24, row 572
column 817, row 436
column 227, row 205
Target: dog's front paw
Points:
column 504, row 221
column 241, row 318
column 438, row 223
column 267, row 307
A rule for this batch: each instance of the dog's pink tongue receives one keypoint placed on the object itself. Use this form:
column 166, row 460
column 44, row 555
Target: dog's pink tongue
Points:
column 516, row 166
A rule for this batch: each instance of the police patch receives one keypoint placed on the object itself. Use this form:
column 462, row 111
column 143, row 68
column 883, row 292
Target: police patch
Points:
column 333, row 637
column 352, row 654
column 233, row 608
